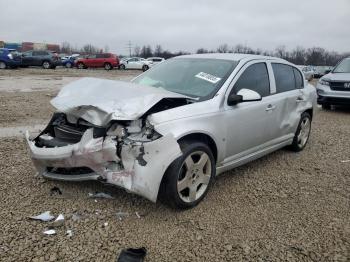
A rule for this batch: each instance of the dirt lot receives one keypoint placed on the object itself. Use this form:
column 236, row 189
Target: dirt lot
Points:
column 285, row 206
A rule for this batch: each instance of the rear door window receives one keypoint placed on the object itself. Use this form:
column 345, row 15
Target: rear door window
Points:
column 284, row 77
column 256, row 78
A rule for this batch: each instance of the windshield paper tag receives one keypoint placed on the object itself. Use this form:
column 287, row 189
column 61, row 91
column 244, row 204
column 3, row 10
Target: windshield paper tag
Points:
column 208, row 77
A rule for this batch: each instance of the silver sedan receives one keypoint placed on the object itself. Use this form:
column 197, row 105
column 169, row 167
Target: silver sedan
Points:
column 169, row 132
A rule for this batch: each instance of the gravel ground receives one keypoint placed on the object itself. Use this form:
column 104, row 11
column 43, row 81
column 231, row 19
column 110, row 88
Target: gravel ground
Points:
column 285, row 206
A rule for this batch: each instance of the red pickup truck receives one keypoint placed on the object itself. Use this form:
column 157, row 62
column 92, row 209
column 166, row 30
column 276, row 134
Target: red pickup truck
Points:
column 106, row 60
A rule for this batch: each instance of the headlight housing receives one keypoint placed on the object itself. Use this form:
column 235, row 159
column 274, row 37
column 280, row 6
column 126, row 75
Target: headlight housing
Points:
column 323, row 82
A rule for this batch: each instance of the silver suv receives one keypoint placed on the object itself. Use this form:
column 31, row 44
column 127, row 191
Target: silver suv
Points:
column 334, row 88
column 169, row 132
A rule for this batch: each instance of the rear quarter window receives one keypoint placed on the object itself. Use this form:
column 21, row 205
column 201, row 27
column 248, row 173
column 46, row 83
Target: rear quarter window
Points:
column 299, row 79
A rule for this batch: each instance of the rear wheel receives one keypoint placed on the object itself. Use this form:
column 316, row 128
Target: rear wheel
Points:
column 145, row 68
column 46, row 65
column 189, row 177
column 2, row 65
column 108, row 66
column 303, row 133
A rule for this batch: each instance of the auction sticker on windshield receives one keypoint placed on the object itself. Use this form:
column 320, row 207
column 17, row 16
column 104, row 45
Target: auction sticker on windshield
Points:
column 208, row 77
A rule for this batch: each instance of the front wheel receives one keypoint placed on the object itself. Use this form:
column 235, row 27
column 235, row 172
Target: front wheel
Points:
column 189, row 177
column 122, row 67
column 145, row 68
column 69, row 65
column 303, row 133
column 81, row 66
column 46, row 65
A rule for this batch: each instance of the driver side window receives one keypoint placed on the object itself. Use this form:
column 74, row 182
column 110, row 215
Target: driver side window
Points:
column 256, row 78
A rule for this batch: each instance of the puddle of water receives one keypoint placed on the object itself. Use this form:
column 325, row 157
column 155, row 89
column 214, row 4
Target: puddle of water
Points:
column 18, row 131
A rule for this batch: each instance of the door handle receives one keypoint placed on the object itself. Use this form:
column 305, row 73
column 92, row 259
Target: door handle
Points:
column 270, row 107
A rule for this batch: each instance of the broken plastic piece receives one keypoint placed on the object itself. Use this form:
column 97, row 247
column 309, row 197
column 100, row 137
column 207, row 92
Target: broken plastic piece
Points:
column 46, row 216
column 132, row 255
column 59, row 221
column 69, row 233
column 50, row 232
column 345, row 161
column 100, row 195
column 120, row 215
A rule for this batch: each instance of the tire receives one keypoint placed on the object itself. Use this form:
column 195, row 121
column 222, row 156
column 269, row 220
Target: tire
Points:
column 326, row 106
column 80, row 66
column 186, row 172
column 122, row 67
column 46, row 65
column 68, row 65
column 2, row 65
column 108, row 66
column 302, row 134
column 145, row 68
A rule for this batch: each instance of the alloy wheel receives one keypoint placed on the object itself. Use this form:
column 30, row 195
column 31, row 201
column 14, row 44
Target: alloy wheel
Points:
column 194, row 176
column 304, row 132
column 2, row 65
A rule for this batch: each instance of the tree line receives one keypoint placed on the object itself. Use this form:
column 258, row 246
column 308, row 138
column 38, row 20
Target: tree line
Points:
column 317, row 56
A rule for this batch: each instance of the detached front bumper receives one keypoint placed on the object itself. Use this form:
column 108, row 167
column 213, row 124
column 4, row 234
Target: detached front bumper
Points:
column 139, row 169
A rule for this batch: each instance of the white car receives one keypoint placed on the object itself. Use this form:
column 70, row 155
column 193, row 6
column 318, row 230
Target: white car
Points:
column 156, row 60
column 169, row 132
column 308, row 71
column 135, row 63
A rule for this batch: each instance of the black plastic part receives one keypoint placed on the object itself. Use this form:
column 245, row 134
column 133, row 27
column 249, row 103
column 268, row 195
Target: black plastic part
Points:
column 132, row 255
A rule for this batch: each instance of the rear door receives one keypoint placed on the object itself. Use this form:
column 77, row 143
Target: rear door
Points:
column 289, row 98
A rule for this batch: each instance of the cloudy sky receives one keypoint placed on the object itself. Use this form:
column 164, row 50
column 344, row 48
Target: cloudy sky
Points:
column 179, row 24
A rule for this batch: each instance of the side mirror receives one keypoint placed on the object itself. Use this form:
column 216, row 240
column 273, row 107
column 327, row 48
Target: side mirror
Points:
column 243, row 95
column 327, row 71
column 234, row 99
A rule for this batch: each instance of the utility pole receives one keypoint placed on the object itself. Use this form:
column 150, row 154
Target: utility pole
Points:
column 129, row 46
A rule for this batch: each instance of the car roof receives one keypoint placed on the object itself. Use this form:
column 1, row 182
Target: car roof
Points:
column 232, row 56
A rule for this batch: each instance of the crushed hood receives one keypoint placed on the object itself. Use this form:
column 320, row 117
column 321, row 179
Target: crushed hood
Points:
column 99, row 101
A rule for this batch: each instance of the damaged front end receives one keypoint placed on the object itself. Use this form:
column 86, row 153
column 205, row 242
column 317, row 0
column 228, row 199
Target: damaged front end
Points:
column 129, row 154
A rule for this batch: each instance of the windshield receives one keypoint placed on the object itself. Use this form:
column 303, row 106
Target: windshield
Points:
column 196, row 77
column 343, row 66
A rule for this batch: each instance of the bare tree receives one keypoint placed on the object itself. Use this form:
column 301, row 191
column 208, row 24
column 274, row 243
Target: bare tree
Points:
column 158, row 50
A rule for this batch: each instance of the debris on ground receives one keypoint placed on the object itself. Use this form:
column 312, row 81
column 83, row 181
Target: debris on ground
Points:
column 121, row 215
column 100, row 195
column 345, row 161
column 69, row 233
column 138, row 215
column 50, row 232
column 55, row 191
column 132, row 254
column 46, row 216
column 59, row 221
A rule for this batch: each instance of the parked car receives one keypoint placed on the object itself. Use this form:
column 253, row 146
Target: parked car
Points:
column 135, row 63
column 170, row 131
column 307, row 71
column 9, row 58
column 156, row 60
column 69, row 61
column 106, row 60
column 322, row 70
column 46, row 59
column 334, row 88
